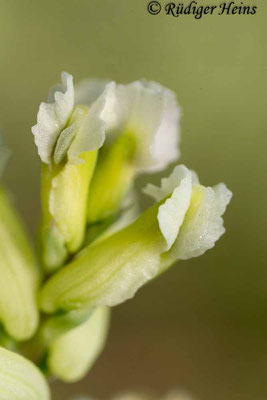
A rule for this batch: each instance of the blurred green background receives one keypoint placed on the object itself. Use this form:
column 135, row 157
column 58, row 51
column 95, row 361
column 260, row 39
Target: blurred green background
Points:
column 203, row 325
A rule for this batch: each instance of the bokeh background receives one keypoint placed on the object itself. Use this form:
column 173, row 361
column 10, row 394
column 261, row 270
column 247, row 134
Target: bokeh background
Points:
column 203, row 325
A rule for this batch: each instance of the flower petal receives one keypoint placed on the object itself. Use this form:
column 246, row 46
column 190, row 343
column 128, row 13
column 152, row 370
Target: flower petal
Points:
column 91, row 134
column 167, row 185
column 87, row 91
column 53, row 116
column 165, row 148
column 203, row 225
column 150, row 112
column 171, row 214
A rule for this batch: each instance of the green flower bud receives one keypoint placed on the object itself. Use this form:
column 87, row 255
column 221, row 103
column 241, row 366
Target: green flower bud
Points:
column 184, row 223
column 19, row 277
column 20, row 379
column 72, row 354
column 142, row 137
column 68, row 139
column 112, row 179
column 64, row 199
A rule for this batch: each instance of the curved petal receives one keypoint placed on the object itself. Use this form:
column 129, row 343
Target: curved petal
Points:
column 53, row 116
column 203, row 224
column 91, row 134
column 87, row 91
column 169, row 184
column 165, row 148
column 151, row 113
column 171, row 214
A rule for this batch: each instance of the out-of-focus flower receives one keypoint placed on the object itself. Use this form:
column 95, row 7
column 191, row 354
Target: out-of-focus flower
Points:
column 68, row 138
column 142, row 136
column 19, row 277
column 20, row 379
column 183, row 223
column 178, row 394
column 173, row 395
column 72, row 354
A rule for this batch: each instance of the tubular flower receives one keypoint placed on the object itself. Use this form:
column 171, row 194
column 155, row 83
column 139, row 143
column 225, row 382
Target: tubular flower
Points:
column 71, row 355
column 20, row 379
column 184, row 222
column 68, row 137
column 142, row 136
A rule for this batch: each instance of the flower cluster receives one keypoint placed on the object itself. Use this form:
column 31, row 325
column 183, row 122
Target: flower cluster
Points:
column 95, row 249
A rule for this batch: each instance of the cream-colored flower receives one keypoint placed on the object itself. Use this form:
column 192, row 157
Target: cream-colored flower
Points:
column 54, row 139
column 185, row 222
column 68, row 137
column 142, row 136
column 190, row 219
column 150, row 113
column 53, row 116
column 146, row 110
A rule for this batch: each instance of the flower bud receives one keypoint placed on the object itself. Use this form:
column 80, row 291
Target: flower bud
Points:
column 72, row 354
column 184, row 223
column 20, row 379
column 19, row 277
column 68, row 138
column 143, row 137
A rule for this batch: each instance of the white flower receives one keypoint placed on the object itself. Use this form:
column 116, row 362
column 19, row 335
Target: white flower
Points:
column 53, row 116
column 146, row 110
column 86, row 133
column 185, row 222
column 190, row 219
column 151, row 113
column 68, row 137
